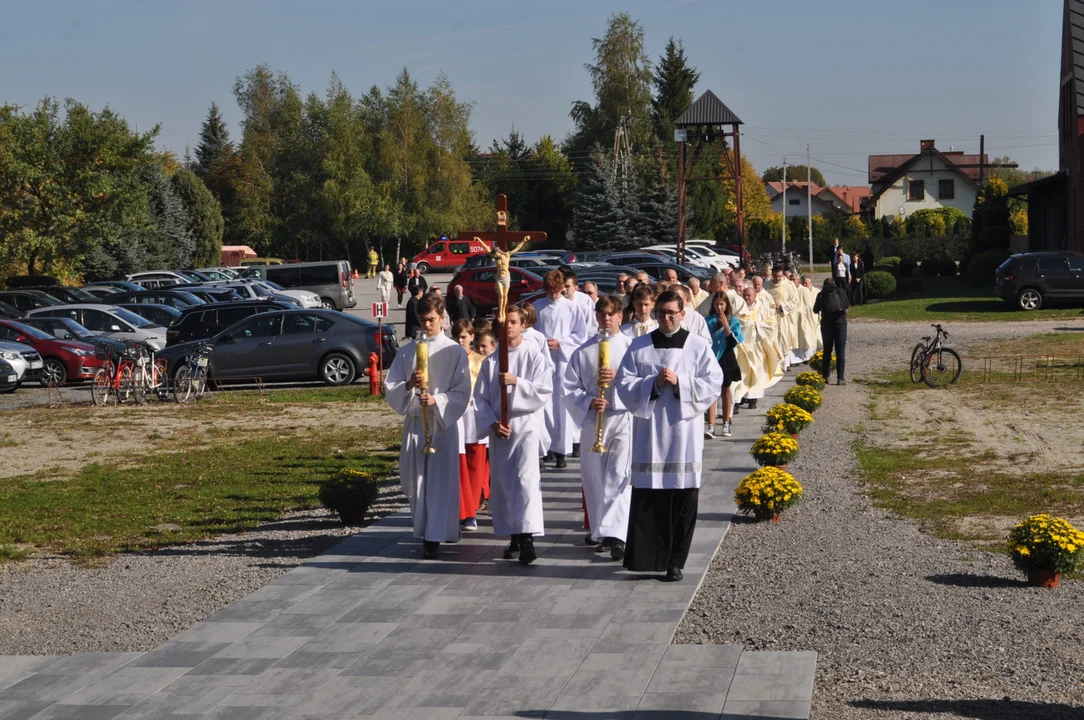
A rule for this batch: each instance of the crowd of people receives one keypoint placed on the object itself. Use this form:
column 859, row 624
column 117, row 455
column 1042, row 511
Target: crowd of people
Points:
column 633, row 383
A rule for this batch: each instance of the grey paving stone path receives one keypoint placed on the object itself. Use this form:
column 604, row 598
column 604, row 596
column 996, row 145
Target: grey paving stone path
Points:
column 369, row 630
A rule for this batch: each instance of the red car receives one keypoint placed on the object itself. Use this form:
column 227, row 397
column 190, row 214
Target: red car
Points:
column 65, row 360
column 479, row 284
column 448, row 254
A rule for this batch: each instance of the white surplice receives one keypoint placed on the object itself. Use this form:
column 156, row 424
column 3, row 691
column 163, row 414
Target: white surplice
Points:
column 696, row 324
column 563, row 320
column 533, row 337
column 431, row 482
column 605, row 475
column 470, row 432
column 515, row 481
column 668, row 423
column 587, row 305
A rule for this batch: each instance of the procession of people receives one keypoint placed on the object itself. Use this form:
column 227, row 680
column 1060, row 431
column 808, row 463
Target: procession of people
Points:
column 633, row 384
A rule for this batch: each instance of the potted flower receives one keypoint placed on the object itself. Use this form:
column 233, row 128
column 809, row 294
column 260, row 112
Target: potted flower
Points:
column 350, row 493
column 804, row 396
column 1044, row 547
column 767, row 492
column 812, row 379
column 775, row 449
column 787, row 418
column 817, row 361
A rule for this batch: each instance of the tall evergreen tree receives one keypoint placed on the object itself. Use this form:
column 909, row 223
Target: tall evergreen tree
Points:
column 168, row 242
column 204, row 217
column 674, row 81
column 600, row 220
column 214, row 139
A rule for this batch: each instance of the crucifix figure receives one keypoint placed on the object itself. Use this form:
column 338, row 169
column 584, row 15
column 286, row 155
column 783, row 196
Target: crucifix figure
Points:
column 501, row 258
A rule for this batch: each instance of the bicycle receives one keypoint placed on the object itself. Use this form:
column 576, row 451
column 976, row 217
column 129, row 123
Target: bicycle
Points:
column 933, row 363
column 190, row 381
column 150, row 374
column 116, row 377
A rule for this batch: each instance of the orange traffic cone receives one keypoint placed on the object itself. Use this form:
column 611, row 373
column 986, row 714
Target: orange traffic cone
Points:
column 356, row 276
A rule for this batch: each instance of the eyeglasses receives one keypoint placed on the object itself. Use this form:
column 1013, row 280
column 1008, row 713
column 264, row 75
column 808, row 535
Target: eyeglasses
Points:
column 668, row 314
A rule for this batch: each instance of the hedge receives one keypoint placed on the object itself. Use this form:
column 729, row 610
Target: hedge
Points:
column 880, row 284
column 982, row 266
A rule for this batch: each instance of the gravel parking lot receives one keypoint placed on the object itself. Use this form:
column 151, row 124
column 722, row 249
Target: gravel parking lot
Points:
column 907, row 625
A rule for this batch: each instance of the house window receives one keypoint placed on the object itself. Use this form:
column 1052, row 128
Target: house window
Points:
column 916, row 190
column 794, row 201
column 946, row 189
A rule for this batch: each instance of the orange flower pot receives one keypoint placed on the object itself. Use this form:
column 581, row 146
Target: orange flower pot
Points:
column 1043, row 578
column 766, row 515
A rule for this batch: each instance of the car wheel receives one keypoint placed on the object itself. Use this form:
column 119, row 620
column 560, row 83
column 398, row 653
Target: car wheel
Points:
column 337, row 369
column 423, row 268
column 54, row 373
column 326, row 304
column 1029, row 299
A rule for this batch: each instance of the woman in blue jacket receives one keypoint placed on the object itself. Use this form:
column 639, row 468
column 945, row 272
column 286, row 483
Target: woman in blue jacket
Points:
column 725, row 336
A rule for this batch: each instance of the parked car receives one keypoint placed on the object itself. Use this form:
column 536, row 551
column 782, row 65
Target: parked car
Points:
column 120, row 285
column 1030, row 280
column 174, row 298
column 9, row 379
column 479, row 285
column 101, row 293
column 219, row 273
column 24, row 359
column 330, row 281
column 10, row 311
column 63, row 360
column 160, row 278
column 306, row 298
column 64, row 294
column 206, row 321
column 164, row 315
column 656, row 266
column 110, row 322
column 695, row 256
column 256, row 290
column 293, row 345
column 210, row 294
column 590, row 255
column 527, row 261
column 60, row 328
column 26, row 300
column 564, row 257
column 448, row 254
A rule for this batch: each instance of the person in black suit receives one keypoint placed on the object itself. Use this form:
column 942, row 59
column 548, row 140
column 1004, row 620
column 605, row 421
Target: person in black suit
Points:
column 460, row 307
column 413, row 324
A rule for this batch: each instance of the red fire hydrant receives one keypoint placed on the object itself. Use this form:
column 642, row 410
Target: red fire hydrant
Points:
column 374, row 375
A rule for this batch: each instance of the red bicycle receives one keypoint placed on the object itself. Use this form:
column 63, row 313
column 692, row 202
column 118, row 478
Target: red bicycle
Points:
column 116, row 378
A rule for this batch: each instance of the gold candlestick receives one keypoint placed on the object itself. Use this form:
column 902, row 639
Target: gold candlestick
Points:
column 603, row 364
column 421, row 358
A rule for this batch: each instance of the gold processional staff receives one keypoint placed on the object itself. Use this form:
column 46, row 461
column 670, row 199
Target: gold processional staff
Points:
column 421, row 358
column 603, row 364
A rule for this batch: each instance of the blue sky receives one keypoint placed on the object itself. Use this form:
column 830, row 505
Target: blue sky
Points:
column 851, row 78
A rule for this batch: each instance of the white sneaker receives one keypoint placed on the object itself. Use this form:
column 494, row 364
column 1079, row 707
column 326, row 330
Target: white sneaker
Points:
column 709, row 432
column 726, row 429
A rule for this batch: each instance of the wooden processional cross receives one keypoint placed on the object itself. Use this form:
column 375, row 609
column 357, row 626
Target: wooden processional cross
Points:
column 501, row 242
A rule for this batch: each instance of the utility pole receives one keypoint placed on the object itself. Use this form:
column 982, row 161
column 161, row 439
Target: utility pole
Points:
column 784, row 205
column 809, row 204
column 982, row 159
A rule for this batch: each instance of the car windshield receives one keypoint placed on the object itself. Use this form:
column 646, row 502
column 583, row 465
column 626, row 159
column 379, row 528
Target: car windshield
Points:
column 272, row 285
column 131, row 318
column 31, row 331
column 262, row 289
column 71, row 329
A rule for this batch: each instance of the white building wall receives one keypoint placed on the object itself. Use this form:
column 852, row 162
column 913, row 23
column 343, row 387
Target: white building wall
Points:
column 897, row 195
column 799, row 210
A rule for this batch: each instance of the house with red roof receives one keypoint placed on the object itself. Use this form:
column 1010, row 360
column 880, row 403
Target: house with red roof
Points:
column 845, row 199
column 900, row 184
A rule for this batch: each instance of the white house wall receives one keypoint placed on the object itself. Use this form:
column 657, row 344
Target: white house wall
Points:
column 799, row 210
column 896, row 196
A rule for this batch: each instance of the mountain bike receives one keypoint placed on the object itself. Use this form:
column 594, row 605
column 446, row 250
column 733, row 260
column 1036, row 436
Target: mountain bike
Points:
column 190, row 380
column 933, row 363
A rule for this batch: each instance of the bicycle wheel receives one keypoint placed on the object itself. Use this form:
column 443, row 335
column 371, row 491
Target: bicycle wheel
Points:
column 199, row 382
column 916, row 363
column 140, row 380
column 182, row 384
column 160, row 379
column 124, row 390
column 102, row 386
column 942, row 368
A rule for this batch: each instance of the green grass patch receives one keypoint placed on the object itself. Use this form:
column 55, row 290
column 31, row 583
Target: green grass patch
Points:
column 175, row 498
column 357, row 393
column 11, row 553
column 950, row 300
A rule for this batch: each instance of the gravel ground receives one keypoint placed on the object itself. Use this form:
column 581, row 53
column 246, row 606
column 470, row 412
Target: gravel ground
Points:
column 136, row 601
column 907, row 626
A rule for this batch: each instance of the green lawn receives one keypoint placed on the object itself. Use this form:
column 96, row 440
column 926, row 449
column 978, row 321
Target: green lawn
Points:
column 950, row 300
column 178, row 497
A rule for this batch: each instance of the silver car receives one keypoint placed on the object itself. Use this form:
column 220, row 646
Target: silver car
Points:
column 24, row 360
column 108, row 321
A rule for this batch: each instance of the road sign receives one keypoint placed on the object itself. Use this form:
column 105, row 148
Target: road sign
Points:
column 380, row 310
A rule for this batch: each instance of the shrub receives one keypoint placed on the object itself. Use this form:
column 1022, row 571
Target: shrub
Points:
column 805, row 397
column 1042, row 542
column 774, row 449
column 890, row 264
column 787, row 418
column 880, row 285
column 907, row 268
column 982, row 266
column 930, row 267
column 946, row 268
column 767, row 492
column 350, row 493
column 817, row 361
column 812, row 379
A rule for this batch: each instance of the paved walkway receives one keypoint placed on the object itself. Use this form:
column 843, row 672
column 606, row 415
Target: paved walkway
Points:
column 368, row 630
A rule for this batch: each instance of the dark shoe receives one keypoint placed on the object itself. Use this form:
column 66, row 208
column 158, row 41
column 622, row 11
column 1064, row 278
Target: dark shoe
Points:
column 560, row 464
column 527, row 554
column 575, row 450
column 588, row 540
column 674, row 574
column 603, row 545
column 512, row 551
column 736, row 406
column 469, row 525
column 549, row 457
column 430, row 550
column 617, row 549
column 752, row 405
column 841, row 381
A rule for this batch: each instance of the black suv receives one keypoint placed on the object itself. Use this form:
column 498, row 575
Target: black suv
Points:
column 1029, row 280
column 204, row 321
